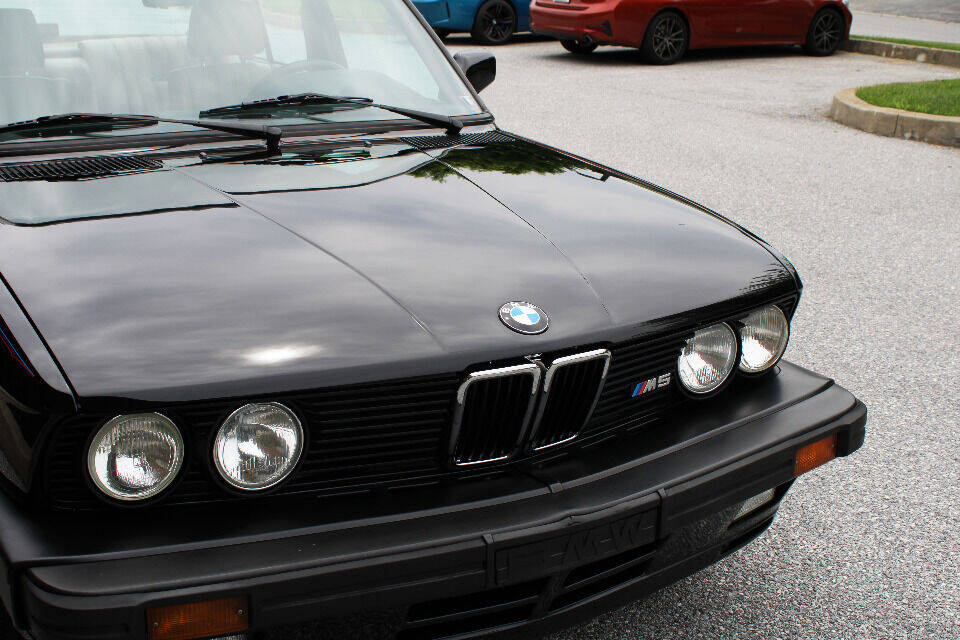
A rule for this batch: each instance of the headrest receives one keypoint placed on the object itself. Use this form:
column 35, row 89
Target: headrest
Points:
column 21, row 49
column 226, row 28
column 320, row 32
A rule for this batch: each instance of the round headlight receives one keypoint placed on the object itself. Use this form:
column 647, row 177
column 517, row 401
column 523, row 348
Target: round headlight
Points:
column 764, row 335
column 708, row 358
column 258, row 446
column 135, row 457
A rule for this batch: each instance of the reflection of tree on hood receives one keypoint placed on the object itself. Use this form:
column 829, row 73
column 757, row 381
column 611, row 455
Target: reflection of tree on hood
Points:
column 511, row 159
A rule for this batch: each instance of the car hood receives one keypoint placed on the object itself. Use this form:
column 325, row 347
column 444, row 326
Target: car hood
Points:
column 221, row 280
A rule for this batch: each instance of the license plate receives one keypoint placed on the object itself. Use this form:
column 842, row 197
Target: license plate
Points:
column 562, row 552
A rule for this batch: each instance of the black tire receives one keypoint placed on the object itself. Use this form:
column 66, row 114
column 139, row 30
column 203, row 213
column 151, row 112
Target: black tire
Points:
column 666, row 40
column 825, row 33
column 579, row 47
column 495, row 23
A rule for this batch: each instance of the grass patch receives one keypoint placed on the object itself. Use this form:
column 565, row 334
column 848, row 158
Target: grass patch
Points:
column 940, row 97
column 952, row 46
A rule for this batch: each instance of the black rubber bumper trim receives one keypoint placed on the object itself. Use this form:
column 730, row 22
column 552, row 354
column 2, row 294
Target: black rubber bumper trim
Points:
column 685, row 503
column 587, row 517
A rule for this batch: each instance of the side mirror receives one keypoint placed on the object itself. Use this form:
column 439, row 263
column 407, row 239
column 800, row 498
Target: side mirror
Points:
column 480, row 68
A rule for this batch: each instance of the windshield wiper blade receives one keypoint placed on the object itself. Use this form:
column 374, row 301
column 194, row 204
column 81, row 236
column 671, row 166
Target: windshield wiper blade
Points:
column 452, row 124
column 68, row 120
column 271, row 135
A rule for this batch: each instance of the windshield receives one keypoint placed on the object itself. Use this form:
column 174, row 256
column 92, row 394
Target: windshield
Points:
column 177, row 58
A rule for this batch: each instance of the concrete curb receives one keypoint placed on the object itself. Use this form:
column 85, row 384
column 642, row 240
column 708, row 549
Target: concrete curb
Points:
column 850, row 110
column 903, row 51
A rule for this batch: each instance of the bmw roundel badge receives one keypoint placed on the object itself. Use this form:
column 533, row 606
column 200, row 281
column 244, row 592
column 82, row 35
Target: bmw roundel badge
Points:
column 524, row 317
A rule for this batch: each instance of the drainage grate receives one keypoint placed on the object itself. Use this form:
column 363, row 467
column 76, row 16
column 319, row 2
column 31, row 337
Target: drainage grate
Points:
column 76, row 168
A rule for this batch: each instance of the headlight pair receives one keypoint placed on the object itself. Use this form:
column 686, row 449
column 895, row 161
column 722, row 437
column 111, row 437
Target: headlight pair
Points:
column 708, row 358
column 135, row 457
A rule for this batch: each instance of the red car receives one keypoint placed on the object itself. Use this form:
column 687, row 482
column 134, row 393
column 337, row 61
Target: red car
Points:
column 664, row 29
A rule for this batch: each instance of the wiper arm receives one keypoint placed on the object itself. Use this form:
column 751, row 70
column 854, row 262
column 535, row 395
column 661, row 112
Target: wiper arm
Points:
column 271, row 135
column 452, row 124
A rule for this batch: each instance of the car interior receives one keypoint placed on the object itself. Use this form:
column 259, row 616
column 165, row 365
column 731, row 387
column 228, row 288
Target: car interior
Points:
column 224, row 53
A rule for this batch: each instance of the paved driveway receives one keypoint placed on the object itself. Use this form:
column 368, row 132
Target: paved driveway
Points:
column 865, row 548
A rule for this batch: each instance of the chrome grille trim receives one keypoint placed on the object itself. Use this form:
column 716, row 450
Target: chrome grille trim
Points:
column 532, row 370
column 551, row 372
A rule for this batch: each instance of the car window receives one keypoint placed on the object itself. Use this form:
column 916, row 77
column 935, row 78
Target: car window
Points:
column 176, row 58
column 371, row 42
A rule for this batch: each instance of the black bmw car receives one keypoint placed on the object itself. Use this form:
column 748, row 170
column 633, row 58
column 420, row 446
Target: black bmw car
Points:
column 296, row 343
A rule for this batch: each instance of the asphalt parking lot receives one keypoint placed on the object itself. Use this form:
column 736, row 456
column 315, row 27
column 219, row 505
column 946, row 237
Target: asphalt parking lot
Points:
column 865, row 548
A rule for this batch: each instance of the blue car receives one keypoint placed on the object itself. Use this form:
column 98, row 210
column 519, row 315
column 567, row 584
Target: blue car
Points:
column 488, row 21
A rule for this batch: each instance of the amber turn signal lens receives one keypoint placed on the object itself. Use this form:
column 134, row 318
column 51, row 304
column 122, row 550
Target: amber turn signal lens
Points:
column 198, row 619
column 816, row 454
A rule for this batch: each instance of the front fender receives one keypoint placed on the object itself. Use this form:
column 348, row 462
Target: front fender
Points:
column 33, row 391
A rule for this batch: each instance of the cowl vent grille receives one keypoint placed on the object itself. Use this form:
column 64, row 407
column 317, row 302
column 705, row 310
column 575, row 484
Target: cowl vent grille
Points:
column 76, row 168
column 424, row 143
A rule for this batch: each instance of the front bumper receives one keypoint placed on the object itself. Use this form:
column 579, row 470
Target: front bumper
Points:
column 564, row 542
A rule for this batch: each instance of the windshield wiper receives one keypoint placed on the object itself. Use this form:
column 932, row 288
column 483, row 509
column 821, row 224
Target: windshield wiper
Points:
column 452, row 124
column 271, row 135
column 73, row 123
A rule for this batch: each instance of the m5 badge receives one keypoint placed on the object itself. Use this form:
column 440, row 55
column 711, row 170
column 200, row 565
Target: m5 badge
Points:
column 648, row 386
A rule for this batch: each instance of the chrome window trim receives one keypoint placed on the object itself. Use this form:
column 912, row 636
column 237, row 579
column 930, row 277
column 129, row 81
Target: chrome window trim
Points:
column 530, row 369
column 556, row 365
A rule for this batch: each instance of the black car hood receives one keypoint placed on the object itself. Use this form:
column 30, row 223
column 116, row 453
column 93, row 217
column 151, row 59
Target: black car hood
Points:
column 219, row 280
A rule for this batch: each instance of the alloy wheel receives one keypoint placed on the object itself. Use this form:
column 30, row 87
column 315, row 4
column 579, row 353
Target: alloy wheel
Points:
column 496, row 22
column 669, row 37
column 827, row 31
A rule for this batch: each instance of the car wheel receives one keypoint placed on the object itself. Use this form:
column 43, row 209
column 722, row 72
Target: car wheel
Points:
column 666, row 39
column 579, row 47
column 825, row 33
column 495, row 23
